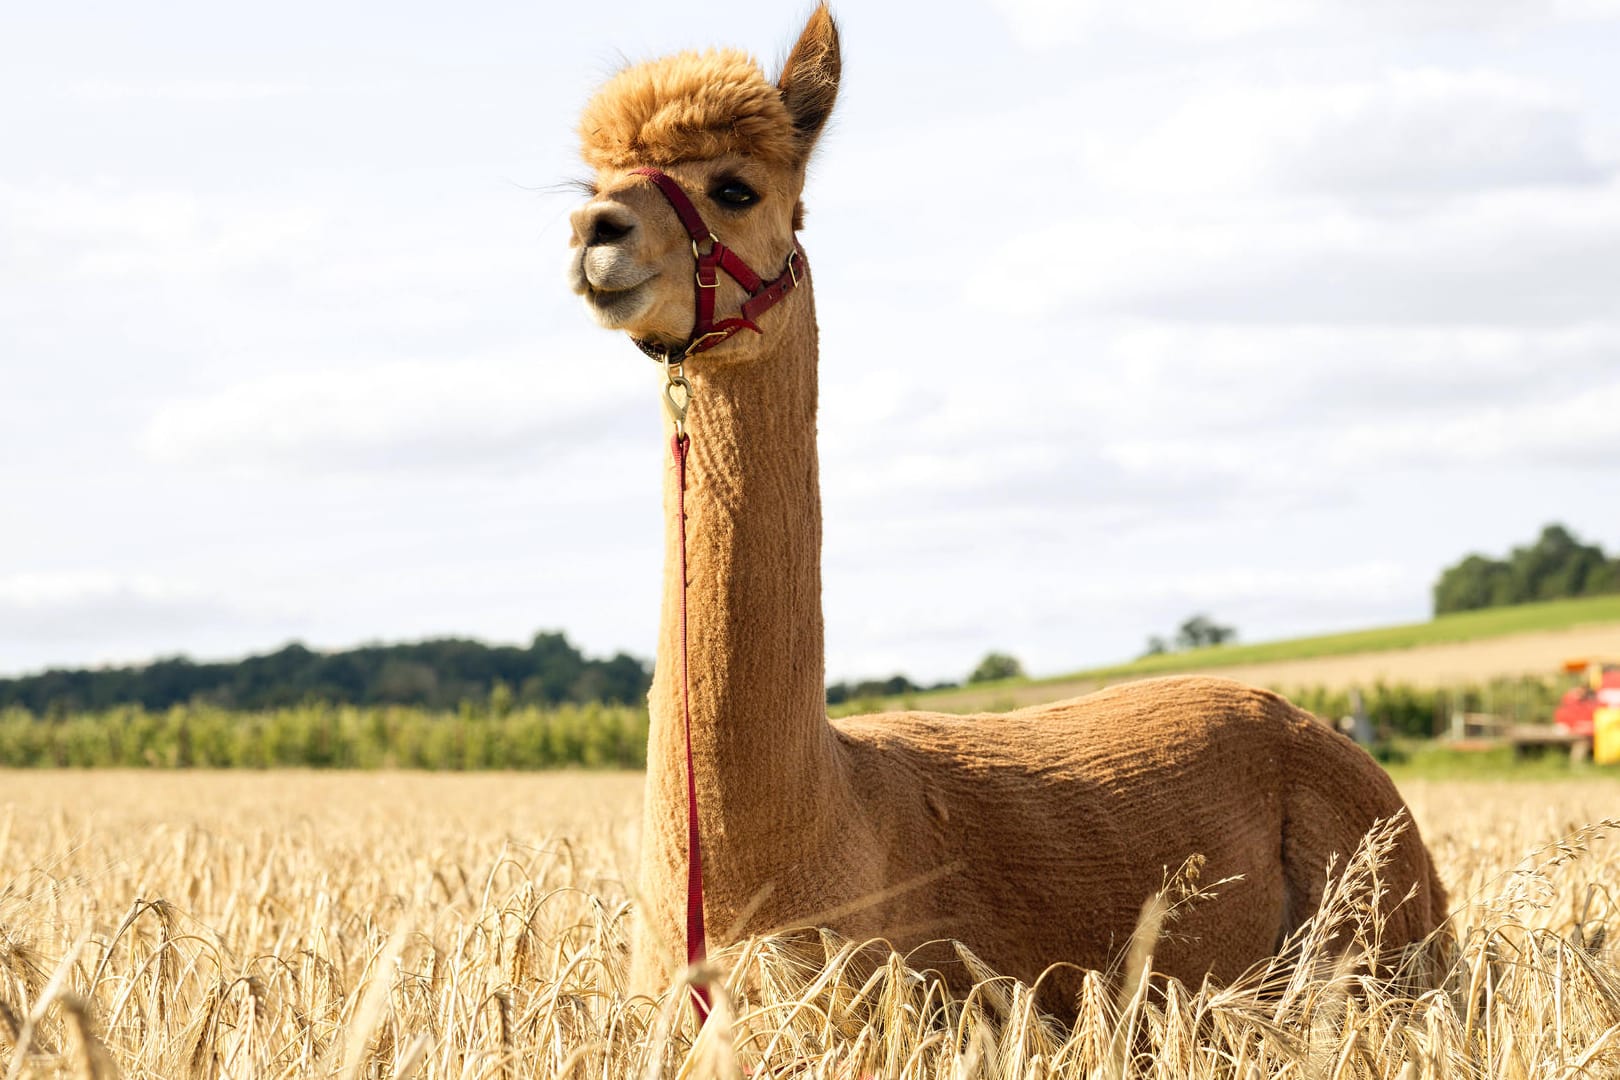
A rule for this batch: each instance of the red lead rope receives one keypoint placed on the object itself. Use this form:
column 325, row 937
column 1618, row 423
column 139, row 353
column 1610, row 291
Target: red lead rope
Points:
column 706, row 333
column 696, row 947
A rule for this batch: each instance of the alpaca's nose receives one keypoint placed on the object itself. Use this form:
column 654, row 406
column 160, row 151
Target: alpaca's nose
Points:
column 602, row 223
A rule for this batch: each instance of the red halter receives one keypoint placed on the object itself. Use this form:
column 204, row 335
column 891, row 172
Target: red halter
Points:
column 706, row 333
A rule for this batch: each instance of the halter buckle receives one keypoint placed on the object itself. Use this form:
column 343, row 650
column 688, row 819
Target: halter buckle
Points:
column 793, row 266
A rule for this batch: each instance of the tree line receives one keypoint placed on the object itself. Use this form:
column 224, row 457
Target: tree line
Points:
column 845, row 691
column 439, row 674
column 994, row 667
column 1557, row 566
column 436, row 674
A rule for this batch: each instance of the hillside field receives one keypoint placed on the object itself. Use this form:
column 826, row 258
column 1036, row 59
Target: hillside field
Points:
column 386, row 924
column 1474, row 647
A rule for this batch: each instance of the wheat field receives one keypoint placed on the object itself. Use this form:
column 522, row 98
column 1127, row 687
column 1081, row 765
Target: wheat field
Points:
column 298, row 924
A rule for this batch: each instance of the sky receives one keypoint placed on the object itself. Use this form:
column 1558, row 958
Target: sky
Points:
column 1268, row 309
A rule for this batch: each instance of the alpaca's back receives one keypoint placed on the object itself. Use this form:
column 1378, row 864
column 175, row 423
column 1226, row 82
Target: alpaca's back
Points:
column 1046, row 829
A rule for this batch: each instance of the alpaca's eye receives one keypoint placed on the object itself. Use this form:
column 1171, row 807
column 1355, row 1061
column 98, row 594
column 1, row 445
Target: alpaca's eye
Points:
column 734, row 193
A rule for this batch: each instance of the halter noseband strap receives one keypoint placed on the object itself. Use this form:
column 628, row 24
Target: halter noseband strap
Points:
column 706, row 332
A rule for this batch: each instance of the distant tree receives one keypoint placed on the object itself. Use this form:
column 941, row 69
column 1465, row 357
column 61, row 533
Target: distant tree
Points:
column 1475, row 582
column 402, row 681
column 997, row 666
column 1200, row 631
column 1557, row 566
column 1156, row 646
column 624, row 679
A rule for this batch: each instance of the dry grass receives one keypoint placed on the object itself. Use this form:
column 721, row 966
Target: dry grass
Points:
column 291, row 925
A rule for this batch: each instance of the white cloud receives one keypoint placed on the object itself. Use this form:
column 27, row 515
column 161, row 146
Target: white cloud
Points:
column 186, row 91
column 42, row 592
column 114, row 233
column 76, row 616
column 1505, row 257
column 1039, row 24
column 1210, row 420
column 1290, row 407
column 1046, row 621
column 433, row 415
column 1266, row 377
column 1255, row 585
column 1574, row 432
column 1410, row 133
column 1047, row 24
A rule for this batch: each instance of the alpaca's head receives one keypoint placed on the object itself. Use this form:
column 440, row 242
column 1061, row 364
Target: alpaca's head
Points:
column 736, row 143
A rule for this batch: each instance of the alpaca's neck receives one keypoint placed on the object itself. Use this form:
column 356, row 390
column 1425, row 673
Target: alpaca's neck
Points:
column 761, row 743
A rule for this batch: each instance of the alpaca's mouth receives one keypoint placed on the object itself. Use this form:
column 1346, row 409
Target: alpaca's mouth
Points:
column 616, row 289
column 616, row 308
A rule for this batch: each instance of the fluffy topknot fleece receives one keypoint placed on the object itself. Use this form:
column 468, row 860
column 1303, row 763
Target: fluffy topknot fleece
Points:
column 687, row 107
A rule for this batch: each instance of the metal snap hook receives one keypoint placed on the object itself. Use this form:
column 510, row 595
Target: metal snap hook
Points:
column 677, row 398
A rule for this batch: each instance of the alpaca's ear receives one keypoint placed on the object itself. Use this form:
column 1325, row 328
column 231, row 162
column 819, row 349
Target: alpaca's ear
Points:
column 809, row 81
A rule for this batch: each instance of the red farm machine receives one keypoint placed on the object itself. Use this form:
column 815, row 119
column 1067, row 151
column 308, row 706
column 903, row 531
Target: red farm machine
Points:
column 1591, row 709
column 1586, row 722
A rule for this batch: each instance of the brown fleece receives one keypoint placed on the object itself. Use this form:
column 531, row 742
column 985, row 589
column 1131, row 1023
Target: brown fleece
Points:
column 690, row 106
column 1033, row 837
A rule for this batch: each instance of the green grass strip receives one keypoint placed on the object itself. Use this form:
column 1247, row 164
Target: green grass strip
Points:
column 1447, row 629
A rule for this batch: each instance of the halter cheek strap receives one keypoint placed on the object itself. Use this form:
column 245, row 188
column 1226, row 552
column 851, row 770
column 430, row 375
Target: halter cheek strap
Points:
column 706, row 332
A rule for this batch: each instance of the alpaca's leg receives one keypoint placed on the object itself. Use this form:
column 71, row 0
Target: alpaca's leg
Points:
column 652, row 963
column 1315, row 834
column 1336, row 794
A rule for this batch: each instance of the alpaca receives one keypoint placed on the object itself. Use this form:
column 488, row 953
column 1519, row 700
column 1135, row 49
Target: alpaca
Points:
column 1033, row 837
